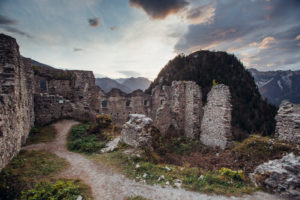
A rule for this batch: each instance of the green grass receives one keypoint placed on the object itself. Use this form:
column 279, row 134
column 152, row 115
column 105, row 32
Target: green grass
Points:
column 79, row 140
column 25, row 170
column 194, row 179
column 41, row 135
column 136, row 198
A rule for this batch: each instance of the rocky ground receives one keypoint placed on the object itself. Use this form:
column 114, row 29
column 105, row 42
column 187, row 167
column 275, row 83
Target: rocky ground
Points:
column 107, row 184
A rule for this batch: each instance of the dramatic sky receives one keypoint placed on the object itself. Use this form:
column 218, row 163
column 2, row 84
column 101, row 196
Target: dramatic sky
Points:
column 123, row 38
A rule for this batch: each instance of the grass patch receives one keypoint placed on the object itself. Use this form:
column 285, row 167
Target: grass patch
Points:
column 57, row 190
column 136, row 198
column 195, row 179
column 79, row 140
column 25, row 170
column 41, row 135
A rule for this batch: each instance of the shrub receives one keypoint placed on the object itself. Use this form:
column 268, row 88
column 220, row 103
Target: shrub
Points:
column 232, row 174
column 53, row 191
column 87, row 144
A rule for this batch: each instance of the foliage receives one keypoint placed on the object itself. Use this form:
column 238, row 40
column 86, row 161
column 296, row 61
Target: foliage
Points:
column 140, row 169
column 232, row 174
column 25, row 170
column 62, row 75
column 214, row 83
column 103, row 121
column 36, row 69
column 41, row 134
column 257, row 149
column 82, row 139
column 53, row 191
column 250, row 112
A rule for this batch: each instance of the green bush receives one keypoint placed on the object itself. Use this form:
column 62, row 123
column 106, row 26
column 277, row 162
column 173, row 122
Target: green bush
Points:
column 87, row 144
column 41, row 135
column 232, row 174
column 52, row 191
column 82, row 141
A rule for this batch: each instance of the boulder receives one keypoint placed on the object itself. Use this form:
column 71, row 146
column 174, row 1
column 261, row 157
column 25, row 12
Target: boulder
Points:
column 137, row 131
column 111, row 146
column 281, row 176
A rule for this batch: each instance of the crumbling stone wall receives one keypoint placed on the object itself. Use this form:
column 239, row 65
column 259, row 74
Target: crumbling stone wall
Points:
column 288, row 122
column 16, row 103
column 216, row 123
column 178, row 108
column 49, row 108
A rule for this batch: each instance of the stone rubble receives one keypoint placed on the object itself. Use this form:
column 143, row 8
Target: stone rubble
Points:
column 137, row 131
column 281, row 176
column 111, row 146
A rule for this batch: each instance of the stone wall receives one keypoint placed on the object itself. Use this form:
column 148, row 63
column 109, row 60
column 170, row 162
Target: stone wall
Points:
column 288, row 122
column 216, row 123
column 177, row 108
column 16, row 102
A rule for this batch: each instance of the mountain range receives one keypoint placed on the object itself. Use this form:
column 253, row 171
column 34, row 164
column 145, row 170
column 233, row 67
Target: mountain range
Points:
column 127, row 85
column 278, row 85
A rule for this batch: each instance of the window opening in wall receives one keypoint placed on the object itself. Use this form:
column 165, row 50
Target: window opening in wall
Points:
column 145, row 102
column 127, row 103
column 43, row 85
column 104, row 104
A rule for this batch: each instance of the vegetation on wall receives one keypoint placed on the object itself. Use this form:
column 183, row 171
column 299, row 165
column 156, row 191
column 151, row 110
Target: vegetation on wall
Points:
column 251, row 114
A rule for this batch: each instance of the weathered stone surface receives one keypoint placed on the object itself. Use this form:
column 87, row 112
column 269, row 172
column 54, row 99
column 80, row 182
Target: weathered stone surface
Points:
column 16, row 102
column 216, row 123
column 112, row 145
column 137, row 131
column 288, row 122
column 281, row 176
column 178, row 108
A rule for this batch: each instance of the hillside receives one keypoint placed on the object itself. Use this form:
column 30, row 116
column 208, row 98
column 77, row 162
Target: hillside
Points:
column 278, row 85
column 251, row 114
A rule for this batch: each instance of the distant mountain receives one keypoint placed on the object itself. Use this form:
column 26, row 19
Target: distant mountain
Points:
column 106, row 84
column 137, row 83
column 278, row 85
column 127, row 85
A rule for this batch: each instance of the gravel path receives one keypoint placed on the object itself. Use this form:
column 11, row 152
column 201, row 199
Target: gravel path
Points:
column 109, row 185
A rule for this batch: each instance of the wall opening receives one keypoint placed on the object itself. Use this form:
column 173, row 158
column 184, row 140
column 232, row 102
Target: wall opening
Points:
column 43, row 85
column 104, row 104
column 128, row 103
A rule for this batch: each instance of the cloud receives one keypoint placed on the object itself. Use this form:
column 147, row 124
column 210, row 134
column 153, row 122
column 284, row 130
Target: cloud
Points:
column 202, row 14
column 7, row 21
column 77, row 49
column 17, row 31
column 94, row 22
column 113, row 28
column 242, row 26
column 130, row 73
column 159, row 9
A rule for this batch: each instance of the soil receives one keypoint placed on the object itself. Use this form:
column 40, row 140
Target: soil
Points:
column 107, row 184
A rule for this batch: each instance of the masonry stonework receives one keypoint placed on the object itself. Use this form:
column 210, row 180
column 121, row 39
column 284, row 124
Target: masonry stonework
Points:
column 216, row 123
column 16, row 102
column 42, row 94
column 288, row 122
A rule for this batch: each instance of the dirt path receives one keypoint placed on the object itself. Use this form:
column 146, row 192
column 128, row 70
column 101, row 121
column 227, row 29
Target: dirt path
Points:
column 108, row 185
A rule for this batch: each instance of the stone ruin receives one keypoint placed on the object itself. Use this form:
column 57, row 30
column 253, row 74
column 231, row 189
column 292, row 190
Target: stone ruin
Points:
column 16, row 99
column 288, row 122
column 34, row 94
column 137, row 131
column 216, row 123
